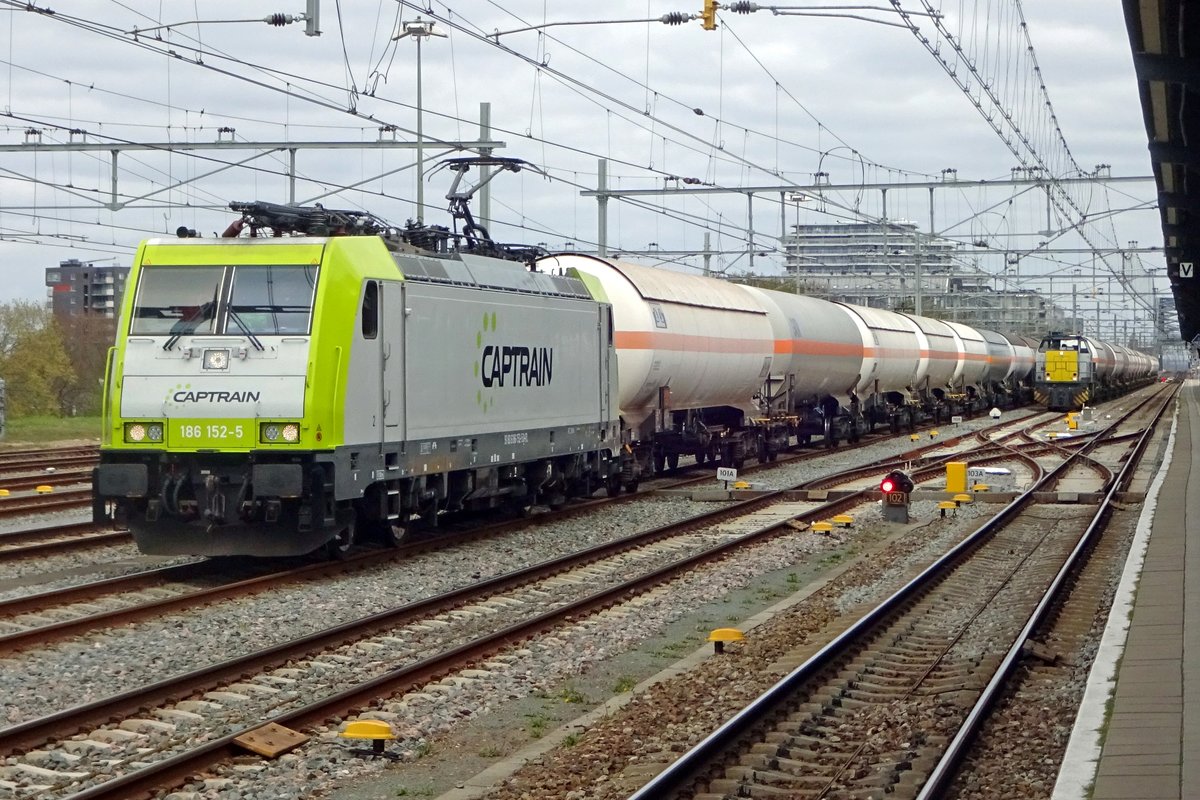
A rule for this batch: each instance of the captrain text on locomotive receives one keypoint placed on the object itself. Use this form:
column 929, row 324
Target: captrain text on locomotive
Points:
column 338, row 379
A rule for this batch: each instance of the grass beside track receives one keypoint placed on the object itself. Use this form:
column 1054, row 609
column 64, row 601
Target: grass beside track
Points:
column 34, row 431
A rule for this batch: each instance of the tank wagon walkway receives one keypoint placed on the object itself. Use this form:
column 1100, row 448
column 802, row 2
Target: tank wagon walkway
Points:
column 1149, row 747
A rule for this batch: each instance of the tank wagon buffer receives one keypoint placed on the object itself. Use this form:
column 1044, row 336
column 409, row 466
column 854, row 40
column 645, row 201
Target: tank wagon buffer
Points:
column 1074, row 370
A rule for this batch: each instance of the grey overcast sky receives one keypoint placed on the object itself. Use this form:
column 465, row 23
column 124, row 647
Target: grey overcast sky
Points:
column 766, row 99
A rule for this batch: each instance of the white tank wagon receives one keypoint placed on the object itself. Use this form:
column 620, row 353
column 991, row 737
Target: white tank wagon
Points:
column 819, row 362
column 946, row 355
column 1020, row 379
column 841, row 369
column 967, row 390
column 895, row 360
column 1104, row 360
column 722, row 371
column 1002, row 362
column 693, row 355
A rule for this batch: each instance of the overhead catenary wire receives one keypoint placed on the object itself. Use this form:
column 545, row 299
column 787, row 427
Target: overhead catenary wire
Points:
column 652, row 125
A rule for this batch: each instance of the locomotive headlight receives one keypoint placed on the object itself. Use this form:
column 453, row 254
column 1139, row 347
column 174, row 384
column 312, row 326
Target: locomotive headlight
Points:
column 216, row 359
column 139, row 432
column 279, row 432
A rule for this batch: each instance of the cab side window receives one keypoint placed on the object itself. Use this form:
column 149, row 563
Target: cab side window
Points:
column 370, row 311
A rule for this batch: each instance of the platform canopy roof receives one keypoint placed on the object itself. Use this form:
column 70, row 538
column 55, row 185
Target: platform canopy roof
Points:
column 1166, row 57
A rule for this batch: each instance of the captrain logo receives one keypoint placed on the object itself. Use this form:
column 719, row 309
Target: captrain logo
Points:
column 184, row 394
column 503, row 366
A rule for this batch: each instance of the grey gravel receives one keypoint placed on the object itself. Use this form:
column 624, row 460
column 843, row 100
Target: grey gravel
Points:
column 105, row 663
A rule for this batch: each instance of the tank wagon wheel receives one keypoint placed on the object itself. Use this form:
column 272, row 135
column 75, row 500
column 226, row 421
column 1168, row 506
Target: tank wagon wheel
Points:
column 673, row 461
column 340, row 545
column 700, row 455
column 660, row 462
column 612, row 486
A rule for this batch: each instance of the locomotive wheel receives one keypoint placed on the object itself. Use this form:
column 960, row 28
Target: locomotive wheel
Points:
column 660, row 461
column 392, row 535
column 612, row 486
column 673, row 461
column 631, row 486
column 700, row 456
column 338, row 548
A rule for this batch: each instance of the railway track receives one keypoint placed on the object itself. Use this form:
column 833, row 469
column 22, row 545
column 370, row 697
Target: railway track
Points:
column 65, row 500
column 69, row 457
column 38, row 619
column 892, row 703
column 761, row 518
column 248, row 674
column 43, row 541
column 774, row 513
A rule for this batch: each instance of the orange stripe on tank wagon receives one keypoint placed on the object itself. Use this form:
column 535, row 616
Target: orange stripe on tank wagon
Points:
column 683, row 342
column 809, row 347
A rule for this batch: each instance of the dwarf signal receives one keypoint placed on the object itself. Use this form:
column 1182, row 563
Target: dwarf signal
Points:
column 896, row 481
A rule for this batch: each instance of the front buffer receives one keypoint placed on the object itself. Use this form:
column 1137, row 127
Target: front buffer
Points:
column 218, row 503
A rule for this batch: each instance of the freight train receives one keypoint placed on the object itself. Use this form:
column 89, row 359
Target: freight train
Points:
column 314, row 377
column 1073, row 370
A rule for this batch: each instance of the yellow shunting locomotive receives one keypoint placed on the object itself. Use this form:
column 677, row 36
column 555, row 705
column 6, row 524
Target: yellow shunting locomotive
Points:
column 1073, row 370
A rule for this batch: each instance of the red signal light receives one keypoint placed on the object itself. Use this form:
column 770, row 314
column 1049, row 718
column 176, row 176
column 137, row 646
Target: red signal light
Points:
column 896, row 481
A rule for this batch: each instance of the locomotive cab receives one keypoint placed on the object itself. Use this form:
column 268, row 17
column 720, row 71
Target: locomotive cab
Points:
column 1064, row 372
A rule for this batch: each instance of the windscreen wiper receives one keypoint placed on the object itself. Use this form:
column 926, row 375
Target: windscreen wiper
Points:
column 190, row 323
column 237, row 320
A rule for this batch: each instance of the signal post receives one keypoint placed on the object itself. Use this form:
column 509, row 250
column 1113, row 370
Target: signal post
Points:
column 896, row 487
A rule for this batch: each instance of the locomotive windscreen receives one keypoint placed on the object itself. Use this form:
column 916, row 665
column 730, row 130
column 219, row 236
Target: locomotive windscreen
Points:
column 250, row 299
